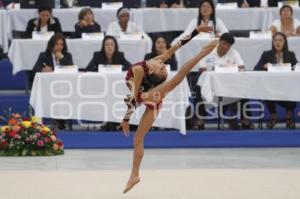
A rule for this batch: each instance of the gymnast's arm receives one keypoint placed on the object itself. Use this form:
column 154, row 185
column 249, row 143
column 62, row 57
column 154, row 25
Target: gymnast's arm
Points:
column 131, row 100
column 168, row 54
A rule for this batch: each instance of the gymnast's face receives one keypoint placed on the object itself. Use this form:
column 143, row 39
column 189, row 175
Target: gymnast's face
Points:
column 206, row 9
column 157, row 67
column 278, row 43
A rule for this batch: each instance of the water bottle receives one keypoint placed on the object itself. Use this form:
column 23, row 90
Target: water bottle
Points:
column 57, row 4
column 210, row 63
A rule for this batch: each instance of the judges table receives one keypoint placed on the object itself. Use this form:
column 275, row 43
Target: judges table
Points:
column 250, row 85
column 99, row 97
column 67, row 17
column 158, row 20
column 177, row 19
column 4, row 29
column 249, row 49
column 23, row 53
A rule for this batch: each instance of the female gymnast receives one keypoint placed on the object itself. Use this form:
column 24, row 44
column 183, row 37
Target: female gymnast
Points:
column 146, row 81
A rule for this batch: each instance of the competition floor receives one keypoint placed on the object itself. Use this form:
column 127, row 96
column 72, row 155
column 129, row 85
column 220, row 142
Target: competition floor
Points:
column 240, row 173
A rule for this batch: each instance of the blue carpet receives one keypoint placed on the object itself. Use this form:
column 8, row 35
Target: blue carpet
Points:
column 172, row 139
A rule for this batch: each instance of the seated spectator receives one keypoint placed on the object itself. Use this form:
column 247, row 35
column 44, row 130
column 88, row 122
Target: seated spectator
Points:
column 109, row 54
column 192, row 3
column 69, row 3
column 164, row 3
column 252, row 3
column 223, row 55
column 274, row 3
column 159, row 46
column 87, row 23
column 207, row 19
column 123, row 24
column 44, row 23
column 29, row 3
column 248, row 3
column 286, row 24
column 279, row 54
column 56, row 54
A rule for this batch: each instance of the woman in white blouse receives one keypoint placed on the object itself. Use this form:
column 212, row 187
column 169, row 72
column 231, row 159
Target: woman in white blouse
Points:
column 123, row 24
column 207, row 19
column 286, row 24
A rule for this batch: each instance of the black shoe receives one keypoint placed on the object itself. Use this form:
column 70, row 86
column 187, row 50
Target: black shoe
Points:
column 272, row 123
column 60, row 124
column 233, row 125
column 247, row 125
column 198, row 127
column 290, row 124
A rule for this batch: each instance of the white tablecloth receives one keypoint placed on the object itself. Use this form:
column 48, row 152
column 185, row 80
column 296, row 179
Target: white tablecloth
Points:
column 157, row 20
column 96, row 97
column 250, row 85
column 67, row 18
column 249, row 49
column 5, row 30
column 23, row 53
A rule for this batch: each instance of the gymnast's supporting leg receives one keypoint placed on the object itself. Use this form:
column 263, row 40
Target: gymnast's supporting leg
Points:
column 145, row 124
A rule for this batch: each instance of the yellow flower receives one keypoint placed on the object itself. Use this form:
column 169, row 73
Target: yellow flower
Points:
column 26, row 124
column 45, row 130
column 35, row 119
column 3, row 128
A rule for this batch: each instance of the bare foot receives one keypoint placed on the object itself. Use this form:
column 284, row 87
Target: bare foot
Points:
column 131, row 182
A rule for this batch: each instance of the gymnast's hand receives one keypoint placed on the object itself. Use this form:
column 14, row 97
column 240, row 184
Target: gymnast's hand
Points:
column 125, row 127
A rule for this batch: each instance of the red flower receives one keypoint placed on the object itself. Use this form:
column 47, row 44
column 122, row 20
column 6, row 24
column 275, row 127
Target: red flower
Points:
column 60, row 143
column 12, row 134
column 47, row 140
column 26, row 119
column 40, row 143
column 3, row 145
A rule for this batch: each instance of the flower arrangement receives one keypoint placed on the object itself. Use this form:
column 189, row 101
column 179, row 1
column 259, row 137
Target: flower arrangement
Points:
column 28, row 137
